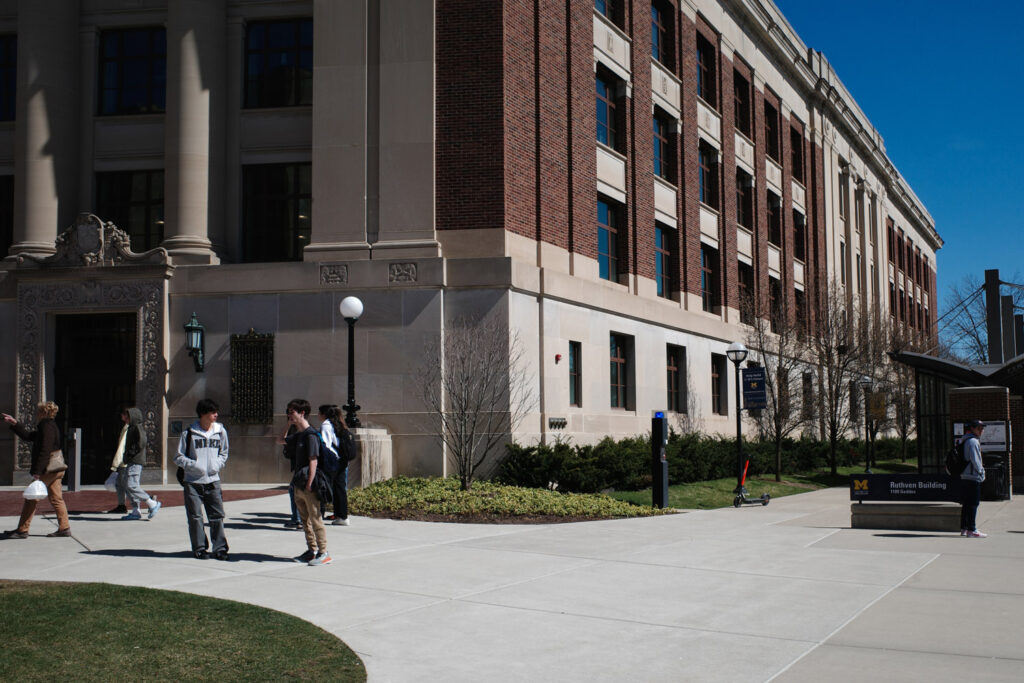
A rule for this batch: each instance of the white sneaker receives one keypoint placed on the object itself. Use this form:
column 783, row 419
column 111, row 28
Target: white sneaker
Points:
column 340, row 522
column 976, row 534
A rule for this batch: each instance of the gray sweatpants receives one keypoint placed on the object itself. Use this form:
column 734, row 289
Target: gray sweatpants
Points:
column 133, row 485
column 208, row 496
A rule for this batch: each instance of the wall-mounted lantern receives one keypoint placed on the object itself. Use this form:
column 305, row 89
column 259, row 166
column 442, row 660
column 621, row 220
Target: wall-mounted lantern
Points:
column 195, row 341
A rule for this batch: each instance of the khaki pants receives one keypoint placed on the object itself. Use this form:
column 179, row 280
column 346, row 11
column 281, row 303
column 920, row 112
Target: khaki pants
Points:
column 52, row 481
column 308, row 504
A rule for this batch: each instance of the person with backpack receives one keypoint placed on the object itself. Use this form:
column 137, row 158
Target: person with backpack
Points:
column 134, row 454
column 970, row 479
column 202, row 453
column 338, row 439
column 312, row 486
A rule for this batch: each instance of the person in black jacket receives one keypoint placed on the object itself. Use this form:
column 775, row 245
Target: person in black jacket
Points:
column 45, row 439
column 135, row 459
column 311, row 485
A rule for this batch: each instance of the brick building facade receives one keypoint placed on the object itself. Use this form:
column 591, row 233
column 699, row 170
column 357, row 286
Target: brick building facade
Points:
column 606, row 177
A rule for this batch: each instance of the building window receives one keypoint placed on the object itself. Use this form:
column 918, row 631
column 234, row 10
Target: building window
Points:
column 675, row 376
column 719, row 385
column 860, row 277
column 800, row 309
column 279, row 63
column 745, row 280
column 709, row 287
column 707, row 174
column 664, row 239
column 776, row 307
column 575, row 374
column 892, row 299
column 6, row 214
column 741, row 101
column 706, row 71
column 606, row 98
column 607, row 240
column 774, row 219
column 664, row 162
column 276, row 212
column 134, row 201
column 133, row 71
column 8, row 76
column 843, row 189
column 799, row 236
column 744, row 199
column 771, row 132
column 842, row 263
column 796, row 150
column 807, row 396
column 661, row 32
column 621, row 366
column 606, row 8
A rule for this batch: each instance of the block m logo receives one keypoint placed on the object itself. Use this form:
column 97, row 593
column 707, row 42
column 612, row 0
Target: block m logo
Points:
column 860, row 484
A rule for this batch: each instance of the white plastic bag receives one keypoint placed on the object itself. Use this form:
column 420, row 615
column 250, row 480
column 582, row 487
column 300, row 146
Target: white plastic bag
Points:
column 35, row 491
column 111, row 482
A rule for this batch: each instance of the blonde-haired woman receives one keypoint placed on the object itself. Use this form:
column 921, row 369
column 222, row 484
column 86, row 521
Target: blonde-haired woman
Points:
column 45, row 439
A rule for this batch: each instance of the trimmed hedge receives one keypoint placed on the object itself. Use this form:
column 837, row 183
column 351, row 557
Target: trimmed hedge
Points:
column 625, row 465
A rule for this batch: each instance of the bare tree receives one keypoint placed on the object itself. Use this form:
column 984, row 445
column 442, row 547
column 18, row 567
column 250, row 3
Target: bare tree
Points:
column 689, row 421
column 902, row 392
column 477, row 391
column 779, row 341
column 963, row 330
column 836, row 353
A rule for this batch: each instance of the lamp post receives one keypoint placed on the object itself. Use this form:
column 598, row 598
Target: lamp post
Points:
column 737, row 353
column 865, row 382
column 351, row 308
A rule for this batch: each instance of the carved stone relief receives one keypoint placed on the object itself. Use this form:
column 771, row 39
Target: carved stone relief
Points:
column 333, row 274
column 402, row 272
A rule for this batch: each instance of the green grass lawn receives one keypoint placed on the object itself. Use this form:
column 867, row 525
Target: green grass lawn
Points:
column 718, row 493
column 102, row 632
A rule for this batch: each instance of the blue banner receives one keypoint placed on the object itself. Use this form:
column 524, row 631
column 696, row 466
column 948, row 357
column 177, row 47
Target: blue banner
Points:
column 755, row 393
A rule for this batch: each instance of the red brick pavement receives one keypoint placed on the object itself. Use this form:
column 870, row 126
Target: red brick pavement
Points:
column 100, row 501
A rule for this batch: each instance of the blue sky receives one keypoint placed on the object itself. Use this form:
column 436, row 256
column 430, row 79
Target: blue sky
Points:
column 941, row 81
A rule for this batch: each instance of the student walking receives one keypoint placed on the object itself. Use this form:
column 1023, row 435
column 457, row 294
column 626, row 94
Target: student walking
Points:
column 970, row 479
column 134, row 435
column 202, row 453
column 45, row 440
column 311, row 485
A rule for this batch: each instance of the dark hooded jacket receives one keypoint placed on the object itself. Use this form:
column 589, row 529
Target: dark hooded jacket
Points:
column 135, row 439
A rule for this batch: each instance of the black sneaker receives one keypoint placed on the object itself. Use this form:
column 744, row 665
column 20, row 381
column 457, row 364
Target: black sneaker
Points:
column 292, row 525
column 221, row 555
column 304, row 557
column 14, row 533
column 201, row 555
column 119, row 510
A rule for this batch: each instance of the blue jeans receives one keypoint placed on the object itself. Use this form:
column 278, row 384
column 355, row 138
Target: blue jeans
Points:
column 970, row 496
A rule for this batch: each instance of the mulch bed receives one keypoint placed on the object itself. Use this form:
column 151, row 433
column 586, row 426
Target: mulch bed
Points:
column 418, row 516
column 101, row 501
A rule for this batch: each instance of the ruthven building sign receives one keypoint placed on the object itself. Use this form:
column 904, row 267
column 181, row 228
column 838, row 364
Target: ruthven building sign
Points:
column 908, row 487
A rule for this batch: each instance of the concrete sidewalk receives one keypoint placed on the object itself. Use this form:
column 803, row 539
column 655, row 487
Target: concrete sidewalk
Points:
column 786, row 592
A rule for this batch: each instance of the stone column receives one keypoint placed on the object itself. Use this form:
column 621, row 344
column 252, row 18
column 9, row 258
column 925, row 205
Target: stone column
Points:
column 405, row 145
column 193, row 152
column 46, row 141
column 341, row 142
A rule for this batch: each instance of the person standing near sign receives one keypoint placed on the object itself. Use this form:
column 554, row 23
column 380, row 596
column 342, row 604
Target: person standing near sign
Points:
column 971, row 478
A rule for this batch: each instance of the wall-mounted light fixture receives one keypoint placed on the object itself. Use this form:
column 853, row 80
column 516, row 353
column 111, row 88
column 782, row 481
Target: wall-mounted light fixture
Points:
column 195, row 340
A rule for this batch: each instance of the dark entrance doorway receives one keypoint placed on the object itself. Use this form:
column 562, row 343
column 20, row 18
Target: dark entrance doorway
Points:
column 94, row 376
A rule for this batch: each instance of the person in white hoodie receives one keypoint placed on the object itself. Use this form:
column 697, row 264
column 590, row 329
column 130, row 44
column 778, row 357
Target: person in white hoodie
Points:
column 202, row 453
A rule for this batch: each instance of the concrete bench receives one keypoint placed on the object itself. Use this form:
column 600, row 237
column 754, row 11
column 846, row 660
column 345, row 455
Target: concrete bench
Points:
column 906, row 516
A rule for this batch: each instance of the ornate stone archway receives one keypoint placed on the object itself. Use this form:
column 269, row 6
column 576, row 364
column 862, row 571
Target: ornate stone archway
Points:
column 94, row 271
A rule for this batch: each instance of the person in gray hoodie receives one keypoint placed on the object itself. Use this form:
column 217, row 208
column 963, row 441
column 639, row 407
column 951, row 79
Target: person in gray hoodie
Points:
column 970, row 479
column 134, row 459
column 202, row 453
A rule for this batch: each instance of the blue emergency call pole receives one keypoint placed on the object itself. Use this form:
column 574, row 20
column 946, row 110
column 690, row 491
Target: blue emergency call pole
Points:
column 659, row 463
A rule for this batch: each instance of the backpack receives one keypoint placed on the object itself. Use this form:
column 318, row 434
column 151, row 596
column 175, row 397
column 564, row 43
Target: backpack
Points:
column 328, row 458
column 956, row 460
column 347, row 447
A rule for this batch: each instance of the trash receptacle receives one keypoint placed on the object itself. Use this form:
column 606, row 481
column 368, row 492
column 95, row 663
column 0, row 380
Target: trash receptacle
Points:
column 994, row 486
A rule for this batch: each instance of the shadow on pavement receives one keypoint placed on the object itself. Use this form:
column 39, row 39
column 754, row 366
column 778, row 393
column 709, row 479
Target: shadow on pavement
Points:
column 186, row 554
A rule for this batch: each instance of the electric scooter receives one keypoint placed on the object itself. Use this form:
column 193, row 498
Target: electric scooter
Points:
column 741, row 492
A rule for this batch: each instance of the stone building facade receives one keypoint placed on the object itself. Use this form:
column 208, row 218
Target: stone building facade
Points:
column 605, row 177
